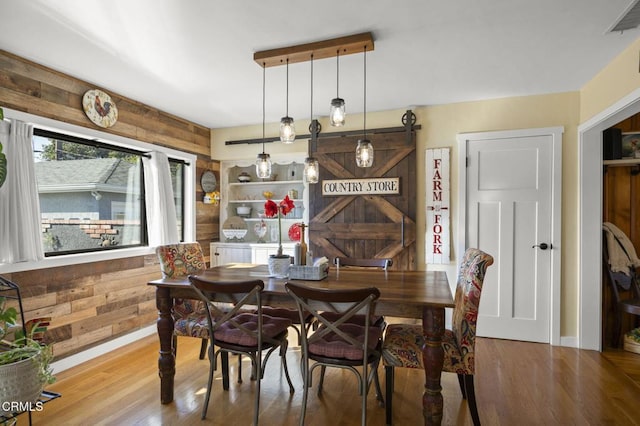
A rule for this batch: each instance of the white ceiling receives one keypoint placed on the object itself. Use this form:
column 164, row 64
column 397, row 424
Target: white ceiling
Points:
column 194, row 58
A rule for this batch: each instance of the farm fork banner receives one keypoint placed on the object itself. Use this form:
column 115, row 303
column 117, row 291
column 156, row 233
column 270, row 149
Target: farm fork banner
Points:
column 437, row 248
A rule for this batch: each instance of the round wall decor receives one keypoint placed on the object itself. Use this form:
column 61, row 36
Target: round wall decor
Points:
column 99, row 107
column 208, row 181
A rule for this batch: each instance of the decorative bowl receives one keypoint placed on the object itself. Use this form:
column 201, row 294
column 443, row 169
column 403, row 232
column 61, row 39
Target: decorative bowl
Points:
column 243, row 211
column 244, row 177
column 267, row 195
column 234, row 234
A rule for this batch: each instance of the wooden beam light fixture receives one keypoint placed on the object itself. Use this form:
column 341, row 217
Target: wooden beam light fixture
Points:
column 320, row 50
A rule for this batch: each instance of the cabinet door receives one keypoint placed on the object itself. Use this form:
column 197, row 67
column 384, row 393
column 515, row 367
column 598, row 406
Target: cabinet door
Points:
column 260, row 255
column 221, row 255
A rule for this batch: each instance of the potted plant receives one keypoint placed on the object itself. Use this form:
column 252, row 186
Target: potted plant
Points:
column 279, row 263
column 24, row 361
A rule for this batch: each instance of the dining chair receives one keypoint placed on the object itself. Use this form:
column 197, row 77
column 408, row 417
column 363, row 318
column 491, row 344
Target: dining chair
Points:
column 339, row 343
column 623, row 279
column 234, row 330
column 402, row 346
column 381, row 263
column 371, row 264
column 189, row 315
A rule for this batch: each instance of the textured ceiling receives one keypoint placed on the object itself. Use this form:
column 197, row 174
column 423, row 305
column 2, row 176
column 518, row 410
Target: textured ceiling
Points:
column 194, row 58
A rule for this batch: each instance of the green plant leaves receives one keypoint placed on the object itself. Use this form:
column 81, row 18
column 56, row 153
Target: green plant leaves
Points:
column 3, row 158
column 3, row 166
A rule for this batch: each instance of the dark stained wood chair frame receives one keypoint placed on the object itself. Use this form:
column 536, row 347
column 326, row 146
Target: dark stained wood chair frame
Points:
column 238, row 295
column 383, row 263
column 348, row 302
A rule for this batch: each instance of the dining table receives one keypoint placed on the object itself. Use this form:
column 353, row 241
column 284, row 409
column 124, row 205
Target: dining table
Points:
column 421, row 295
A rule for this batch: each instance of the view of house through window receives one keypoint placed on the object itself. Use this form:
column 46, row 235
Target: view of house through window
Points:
column 92, row 194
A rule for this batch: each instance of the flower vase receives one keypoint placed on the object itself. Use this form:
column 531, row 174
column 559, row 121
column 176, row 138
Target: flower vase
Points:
column 279, row 265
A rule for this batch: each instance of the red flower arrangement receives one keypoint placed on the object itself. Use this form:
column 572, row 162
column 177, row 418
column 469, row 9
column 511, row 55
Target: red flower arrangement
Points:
column 271, row 209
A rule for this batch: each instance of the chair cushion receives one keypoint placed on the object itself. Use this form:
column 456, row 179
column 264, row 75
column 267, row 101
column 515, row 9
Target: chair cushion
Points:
column 333, row 346
column 290, row 314
column 402, row 347
column 271, row 327
column 194, row 325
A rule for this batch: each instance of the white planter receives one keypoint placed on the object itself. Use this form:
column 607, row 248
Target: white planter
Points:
column 279, row 265
column 21, row 381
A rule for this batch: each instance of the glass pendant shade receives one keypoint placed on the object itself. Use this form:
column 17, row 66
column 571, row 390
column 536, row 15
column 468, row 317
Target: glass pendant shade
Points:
column 263, row 166
column 287, row 130
column 311, row 170
column 364, row 153
column 337, row 113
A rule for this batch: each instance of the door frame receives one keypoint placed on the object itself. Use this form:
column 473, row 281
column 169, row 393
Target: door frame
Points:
column 556, row 208
column 590, row 209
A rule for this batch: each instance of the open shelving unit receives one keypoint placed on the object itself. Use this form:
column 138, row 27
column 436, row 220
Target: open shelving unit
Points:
column 287, row 172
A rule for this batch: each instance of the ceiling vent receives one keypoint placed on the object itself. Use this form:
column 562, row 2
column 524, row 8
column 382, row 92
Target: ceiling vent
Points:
column 629, row 19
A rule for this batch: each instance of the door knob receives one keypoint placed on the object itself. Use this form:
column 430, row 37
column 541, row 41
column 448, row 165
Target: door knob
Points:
column 543, row 246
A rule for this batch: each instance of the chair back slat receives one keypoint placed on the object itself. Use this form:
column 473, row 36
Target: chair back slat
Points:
column 235, row 297
column 381, row 263
column 347, row 302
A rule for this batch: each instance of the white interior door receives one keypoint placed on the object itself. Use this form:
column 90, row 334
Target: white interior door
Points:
column 512, row 180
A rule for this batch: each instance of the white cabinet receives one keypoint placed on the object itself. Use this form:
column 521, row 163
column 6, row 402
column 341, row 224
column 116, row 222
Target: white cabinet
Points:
column 260, row 252
column 286, row 179
column 223, row 253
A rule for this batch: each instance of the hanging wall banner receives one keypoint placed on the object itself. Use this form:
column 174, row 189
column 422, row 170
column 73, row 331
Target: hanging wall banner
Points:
column 437, row 206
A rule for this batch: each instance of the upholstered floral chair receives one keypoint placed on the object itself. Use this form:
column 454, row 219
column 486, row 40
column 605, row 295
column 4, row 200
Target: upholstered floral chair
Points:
column 189, row 316
column 403, row 343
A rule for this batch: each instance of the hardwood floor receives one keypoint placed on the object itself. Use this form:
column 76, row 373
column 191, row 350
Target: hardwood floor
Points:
column 516, row 383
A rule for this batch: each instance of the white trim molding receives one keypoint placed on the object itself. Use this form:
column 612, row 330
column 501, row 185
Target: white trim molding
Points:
column 590, row 211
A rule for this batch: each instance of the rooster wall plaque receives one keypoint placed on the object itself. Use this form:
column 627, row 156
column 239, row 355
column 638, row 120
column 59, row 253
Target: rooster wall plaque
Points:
column 100, row 108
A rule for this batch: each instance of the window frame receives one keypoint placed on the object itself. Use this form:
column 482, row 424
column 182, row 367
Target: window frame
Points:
column 189, row 205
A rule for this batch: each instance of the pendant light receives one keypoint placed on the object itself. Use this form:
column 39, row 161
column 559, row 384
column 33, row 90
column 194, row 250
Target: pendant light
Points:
column 364, row 150
column 263, row 162
column 337, row 112
column 287, row 126
column 311, row 167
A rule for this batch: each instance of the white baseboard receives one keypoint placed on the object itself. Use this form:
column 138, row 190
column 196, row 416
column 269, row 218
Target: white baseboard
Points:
column 569, row 341
column 89, row 354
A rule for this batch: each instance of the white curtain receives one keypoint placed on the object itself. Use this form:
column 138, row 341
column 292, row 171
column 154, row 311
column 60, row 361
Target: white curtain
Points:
column 20, row 233
column 161, row 210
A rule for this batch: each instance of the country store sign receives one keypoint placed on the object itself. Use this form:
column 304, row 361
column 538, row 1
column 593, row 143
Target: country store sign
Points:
column 371, row 186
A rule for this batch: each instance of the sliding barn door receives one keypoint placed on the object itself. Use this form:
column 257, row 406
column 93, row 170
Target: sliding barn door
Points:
column 366, row 226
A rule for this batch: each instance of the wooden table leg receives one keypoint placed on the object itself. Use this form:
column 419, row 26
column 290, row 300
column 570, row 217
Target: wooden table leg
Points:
column 433, row 357
column 167, row 361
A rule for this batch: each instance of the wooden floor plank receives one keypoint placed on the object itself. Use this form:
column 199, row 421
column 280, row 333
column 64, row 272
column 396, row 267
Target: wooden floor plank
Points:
column 516, row 383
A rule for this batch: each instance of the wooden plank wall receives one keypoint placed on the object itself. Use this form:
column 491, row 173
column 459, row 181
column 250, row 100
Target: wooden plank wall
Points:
column 96, row 302
column 621, row 206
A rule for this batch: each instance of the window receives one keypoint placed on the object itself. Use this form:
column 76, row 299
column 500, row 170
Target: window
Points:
column 137, row 238
column 91, row 194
